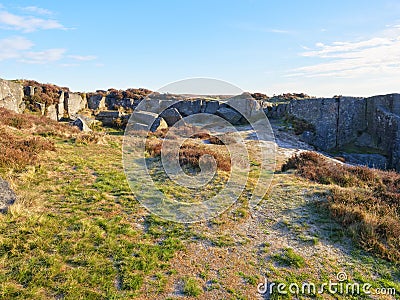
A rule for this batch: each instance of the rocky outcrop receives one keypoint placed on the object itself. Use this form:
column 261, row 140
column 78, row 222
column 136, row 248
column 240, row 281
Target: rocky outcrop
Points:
column 97, row 101
column 229, row 114
column 73, row 103
column 188, row 107
column 11, row 96
column 108, row 117
column 341, row 123
column 210, row 106
column 322, row 113
column 171, row 116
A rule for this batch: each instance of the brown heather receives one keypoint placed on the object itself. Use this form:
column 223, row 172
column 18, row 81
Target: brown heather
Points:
column 192, row 149
column 365, row 201
column 23, row 138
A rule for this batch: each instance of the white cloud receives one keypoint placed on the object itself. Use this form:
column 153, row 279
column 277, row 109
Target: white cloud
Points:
column 27, row 23
column 42, row 57
column 13, row 47
column 83, row 57
column 37, row 10
column 376, row 55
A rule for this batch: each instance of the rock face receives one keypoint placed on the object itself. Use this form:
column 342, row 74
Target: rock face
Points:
column 376, row 161
column 210, row 107
column 73, row 103
column 190, row 107
column 52, row 112
column 7, row 195
column 322, row 113
column 339, row 122
column 11, row 96
column 97, row 102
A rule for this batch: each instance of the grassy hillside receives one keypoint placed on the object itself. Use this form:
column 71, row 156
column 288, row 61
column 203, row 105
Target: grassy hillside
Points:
column 77, row 231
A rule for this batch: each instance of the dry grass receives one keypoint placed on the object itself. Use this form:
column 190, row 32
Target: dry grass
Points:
column 90, row 138
column 366, row 201
column 191, row 151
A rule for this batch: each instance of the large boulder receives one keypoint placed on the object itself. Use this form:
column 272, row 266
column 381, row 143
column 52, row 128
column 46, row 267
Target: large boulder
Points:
column 81, row 124
column 210, row 106
column 60, row 105
column 229, row 114
column 188, row 107
column 108, row 117
column 246, row 105
column 97, row 101
column 141, row 120
column 74, row 103
column 159, row 123
column 11, row 96
column 51, row 112
column 171, row 116
column 7, row 195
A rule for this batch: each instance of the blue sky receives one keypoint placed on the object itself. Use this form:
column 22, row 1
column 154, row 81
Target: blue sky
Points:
column 322, row 48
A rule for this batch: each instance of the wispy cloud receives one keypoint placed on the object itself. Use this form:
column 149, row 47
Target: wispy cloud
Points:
column 83, row 57
column 27, row 23
column 13, row 47
column 375, row 55
column 22, row 50
column 42, row 57
column 37, row 10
